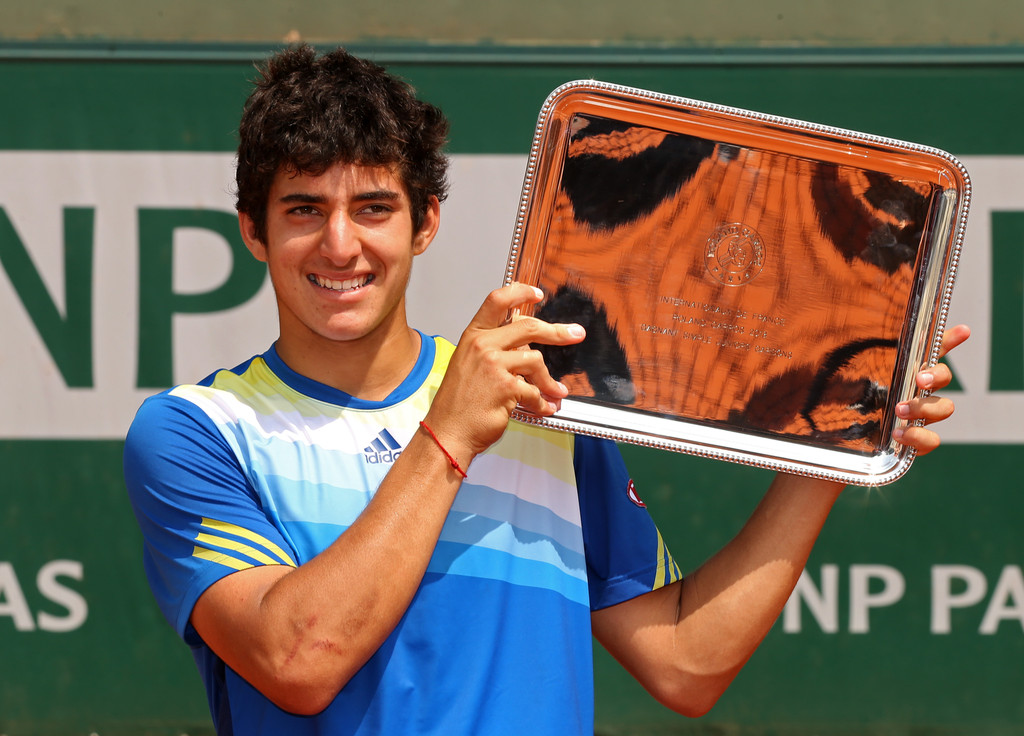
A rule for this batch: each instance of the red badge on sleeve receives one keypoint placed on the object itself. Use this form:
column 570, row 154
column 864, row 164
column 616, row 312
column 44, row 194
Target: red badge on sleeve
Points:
column 633, row 495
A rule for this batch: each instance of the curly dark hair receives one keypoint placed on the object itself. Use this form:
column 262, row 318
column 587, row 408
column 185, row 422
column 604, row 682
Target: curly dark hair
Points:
column 308, row 113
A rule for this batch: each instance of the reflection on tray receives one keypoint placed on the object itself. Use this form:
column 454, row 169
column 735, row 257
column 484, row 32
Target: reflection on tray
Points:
column 743, row 287
column 734, row 279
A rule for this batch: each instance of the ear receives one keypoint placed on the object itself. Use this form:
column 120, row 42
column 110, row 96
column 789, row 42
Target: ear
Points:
column 427, row 231
column 247, row 227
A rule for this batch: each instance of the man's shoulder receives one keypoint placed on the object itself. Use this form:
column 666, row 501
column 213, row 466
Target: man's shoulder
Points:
column 252, row 383
column 187, row 407
column 443, row 350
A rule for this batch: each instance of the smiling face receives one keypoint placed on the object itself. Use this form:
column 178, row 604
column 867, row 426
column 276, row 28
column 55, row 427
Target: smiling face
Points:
column 339, row 249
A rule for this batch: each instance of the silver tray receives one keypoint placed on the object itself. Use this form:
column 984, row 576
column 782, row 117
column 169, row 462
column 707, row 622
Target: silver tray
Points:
column 755, row 289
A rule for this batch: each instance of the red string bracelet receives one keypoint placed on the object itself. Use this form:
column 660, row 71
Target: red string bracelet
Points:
column 452, row 460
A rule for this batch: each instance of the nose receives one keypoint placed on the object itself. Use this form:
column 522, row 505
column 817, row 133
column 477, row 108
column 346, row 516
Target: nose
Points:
column 340, row 243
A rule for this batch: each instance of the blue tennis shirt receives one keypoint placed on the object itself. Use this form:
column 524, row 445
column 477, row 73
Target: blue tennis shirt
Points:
column 259, row 465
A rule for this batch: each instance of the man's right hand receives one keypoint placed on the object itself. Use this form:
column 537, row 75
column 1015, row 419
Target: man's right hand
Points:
column 494, row 370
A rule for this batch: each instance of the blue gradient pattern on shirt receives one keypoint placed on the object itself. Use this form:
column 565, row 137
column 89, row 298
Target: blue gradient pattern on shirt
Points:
column 307, row 459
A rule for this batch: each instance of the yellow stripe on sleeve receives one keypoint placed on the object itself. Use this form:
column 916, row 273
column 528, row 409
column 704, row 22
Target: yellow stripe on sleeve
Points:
column 668, row 570
column 677, row 574
column 220, row 558
column 659, row 578
column 238, row 531
column 248, row 550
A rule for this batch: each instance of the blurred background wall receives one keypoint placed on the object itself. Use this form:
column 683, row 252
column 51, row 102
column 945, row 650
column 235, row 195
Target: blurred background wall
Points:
column 659, row 23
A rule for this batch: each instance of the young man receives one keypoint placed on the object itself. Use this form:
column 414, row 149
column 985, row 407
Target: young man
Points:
column 348, row 530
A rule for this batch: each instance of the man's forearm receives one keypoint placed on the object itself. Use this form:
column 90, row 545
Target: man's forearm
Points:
column 685, row 643
column 729, row 604
column 299, row 635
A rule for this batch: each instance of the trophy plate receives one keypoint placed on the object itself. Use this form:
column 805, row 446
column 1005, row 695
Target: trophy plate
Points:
column 755, row 289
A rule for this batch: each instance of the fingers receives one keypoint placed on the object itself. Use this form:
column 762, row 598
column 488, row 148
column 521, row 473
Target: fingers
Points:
column 516, row 370
column 920, row 438
column 934, row 377
column 521, row 331
column 526, row 330
column 917, row 413
column 923, row 411
column 938, row 376
column 537, row 391
column 530, row 398
column 927, row 408
column 494, row 369
column 494, row 311
column 953, row 337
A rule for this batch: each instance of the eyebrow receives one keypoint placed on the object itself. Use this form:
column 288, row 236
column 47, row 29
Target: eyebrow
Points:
column 376, row 194
column 386, row 194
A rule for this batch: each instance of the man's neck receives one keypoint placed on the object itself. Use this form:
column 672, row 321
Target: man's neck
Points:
column 370, row 368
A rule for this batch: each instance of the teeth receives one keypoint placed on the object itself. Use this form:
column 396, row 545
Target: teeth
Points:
column 344, row 285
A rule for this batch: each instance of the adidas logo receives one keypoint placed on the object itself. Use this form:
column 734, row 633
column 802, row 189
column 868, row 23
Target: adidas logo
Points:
column 383, row 449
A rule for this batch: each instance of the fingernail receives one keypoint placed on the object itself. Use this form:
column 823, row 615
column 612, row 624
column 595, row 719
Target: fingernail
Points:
column 927, row 379
column 902, row 411
column 538, row 292
column 577, row 330
column 897, row 434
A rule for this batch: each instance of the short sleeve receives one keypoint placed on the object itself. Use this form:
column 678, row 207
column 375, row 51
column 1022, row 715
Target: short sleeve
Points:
column 626, row 555
column 199, row 516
